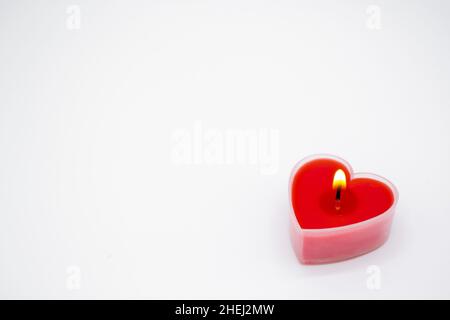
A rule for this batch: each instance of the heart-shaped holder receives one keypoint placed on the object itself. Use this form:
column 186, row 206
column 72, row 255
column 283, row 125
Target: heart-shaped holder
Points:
column 324, row 232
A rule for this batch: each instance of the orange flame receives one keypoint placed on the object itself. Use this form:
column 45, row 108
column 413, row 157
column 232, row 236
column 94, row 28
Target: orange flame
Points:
column 340, row 180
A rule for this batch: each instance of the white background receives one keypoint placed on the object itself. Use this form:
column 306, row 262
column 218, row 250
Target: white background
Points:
column 93, row 205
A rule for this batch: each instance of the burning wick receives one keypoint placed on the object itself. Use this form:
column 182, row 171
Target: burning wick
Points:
column 339, row 184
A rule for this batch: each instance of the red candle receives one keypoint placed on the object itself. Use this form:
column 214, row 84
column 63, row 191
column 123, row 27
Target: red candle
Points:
column 336, row 214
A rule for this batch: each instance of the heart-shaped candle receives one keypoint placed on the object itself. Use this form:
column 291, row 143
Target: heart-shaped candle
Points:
column 337, row 214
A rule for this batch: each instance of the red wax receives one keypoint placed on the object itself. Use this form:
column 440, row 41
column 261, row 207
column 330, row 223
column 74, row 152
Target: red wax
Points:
column 313, row 197
column 320, row 233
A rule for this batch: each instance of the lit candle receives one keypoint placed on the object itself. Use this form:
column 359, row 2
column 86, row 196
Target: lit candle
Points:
column 339, row 184
column 337, row 214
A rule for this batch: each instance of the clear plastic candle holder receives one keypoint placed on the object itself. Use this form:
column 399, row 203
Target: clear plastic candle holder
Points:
column 318, row 246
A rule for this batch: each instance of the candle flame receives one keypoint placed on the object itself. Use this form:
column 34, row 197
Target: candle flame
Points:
column 339, row 180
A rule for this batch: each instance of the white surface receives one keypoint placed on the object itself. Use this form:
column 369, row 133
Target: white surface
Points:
column 89, row 190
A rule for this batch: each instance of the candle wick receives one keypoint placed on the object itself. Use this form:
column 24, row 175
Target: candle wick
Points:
column 338, row 198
